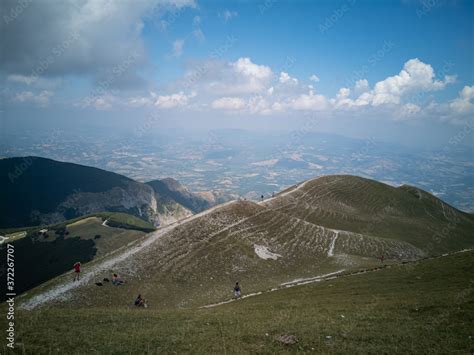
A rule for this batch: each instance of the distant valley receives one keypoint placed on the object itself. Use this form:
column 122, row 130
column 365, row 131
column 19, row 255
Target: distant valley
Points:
column 248, row 163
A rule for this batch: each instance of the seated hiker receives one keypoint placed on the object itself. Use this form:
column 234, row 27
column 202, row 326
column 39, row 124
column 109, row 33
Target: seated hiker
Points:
column 140, row 301
column 117, row 280
column 237, row 290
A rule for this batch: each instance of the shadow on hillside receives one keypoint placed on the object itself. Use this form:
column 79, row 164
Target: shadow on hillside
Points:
column 39, row 261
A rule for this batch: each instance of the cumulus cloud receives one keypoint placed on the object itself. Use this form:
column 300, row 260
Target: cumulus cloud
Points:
column 310, row 101
column 229, row 78
column 361, row 86
column 342, row 98
column 415, row 75
column 41, row 99
column 179, row 99
column 285, row 78
column 252, row 70
column 463, row 103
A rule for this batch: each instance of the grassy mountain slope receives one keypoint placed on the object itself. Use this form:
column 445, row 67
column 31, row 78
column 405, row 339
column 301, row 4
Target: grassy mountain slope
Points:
column 43, row 191
column 422, row 307
column 41, row 256
column 196, row 261
column 371, row 208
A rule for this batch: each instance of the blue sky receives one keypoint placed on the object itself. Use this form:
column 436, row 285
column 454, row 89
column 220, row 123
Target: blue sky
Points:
column 442, row 34
column 360, row 67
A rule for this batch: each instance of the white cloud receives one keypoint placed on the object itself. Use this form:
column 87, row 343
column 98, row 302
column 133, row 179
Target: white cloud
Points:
column 227, row 15
column 361, row 86
column 233, row 78
column 364, row 99
column 314, row 78
column 179, row 99
column 229, row 103
column 342, row 98
column 252, row 70
column 100, row 102
column 246, row 87
column 463, row 103
column 260, row 105
column 286, row 78
column 309, row 101
column 41, row 99
column 415, row 75
column 178, row 48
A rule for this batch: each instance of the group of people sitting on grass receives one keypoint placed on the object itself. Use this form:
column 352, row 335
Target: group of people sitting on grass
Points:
column 116, row 281
column 139, row 301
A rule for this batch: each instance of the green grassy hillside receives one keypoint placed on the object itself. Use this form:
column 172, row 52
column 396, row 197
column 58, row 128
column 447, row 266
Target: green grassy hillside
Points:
column 421, row 307
column 41, row 256
column 371, row 208
column 280, row 241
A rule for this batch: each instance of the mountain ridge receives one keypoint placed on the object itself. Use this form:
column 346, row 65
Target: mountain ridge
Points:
column 220, row 245
column 40, row 191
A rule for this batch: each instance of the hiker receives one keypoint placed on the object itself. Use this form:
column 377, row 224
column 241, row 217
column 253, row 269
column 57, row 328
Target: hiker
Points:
column 77, row 270
column 117, row 281
column 262, row 197
column 140, row 301
column 237, row 290
column 381, row 258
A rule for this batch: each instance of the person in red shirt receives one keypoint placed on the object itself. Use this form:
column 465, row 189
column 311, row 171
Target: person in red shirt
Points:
column 77, row 270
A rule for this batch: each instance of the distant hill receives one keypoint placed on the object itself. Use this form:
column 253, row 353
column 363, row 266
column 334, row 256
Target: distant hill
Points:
column 38, row 191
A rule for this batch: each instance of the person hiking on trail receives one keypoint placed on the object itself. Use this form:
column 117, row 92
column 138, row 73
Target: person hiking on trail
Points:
column 237, row 290
column 381, row 258
column 261, row 197
column 117, row 281
column 140, row 301
column 77, row 270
